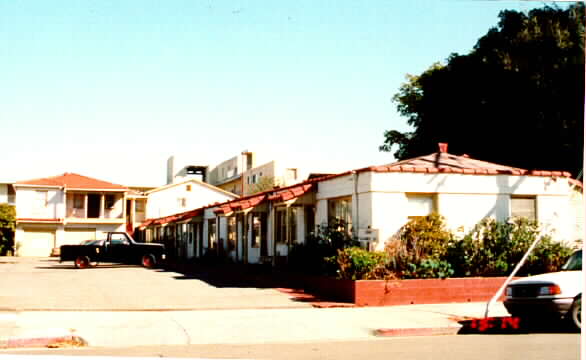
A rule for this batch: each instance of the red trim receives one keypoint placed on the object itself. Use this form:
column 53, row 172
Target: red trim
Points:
column 39, row 220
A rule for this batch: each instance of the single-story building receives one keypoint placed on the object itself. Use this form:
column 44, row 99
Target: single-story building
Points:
column 373, row 203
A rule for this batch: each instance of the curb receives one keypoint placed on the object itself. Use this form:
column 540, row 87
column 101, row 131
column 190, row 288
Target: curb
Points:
column 447, row 330
column 46, row 342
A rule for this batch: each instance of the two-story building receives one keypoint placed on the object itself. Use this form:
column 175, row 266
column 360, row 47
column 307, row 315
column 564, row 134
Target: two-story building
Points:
column 65, row 209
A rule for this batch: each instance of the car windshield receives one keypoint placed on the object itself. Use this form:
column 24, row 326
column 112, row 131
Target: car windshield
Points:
column 574, row 262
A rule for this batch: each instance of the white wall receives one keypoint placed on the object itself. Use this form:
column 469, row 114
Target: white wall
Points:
column 27, row 205
column 165, row 202
column 463, row 200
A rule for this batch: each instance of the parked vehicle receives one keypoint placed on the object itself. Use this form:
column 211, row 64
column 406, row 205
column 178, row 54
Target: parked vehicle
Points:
column 553, row 294
column 117, row 247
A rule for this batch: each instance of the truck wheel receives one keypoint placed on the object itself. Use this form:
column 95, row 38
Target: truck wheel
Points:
column 575, row 313
column 82, row 262
column 148, row 261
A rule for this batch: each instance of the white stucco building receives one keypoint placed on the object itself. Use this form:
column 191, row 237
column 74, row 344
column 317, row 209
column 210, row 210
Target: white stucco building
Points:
column 373, row 203
column 65, row 209
column 183, row 196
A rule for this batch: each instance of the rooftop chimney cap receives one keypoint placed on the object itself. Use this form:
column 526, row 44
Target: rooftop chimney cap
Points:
column 443, row 147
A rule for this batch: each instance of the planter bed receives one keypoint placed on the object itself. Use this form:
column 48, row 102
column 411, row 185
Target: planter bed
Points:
column 403, row 292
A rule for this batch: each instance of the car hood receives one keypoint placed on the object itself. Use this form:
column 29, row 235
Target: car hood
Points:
column 570, row 282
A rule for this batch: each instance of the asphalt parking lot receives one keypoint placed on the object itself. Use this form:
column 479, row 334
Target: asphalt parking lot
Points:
column 37, row 284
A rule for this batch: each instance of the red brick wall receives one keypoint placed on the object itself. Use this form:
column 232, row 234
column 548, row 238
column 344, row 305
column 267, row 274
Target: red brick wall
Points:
column 425, row 291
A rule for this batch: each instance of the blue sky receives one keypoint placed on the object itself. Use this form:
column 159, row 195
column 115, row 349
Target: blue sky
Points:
column 111, row 89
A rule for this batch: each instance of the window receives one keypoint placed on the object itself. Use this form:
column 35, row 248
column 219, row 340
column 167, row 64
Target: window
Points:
column 119, row 239
column 524, row 206
column 254, row 179
column 292, row 225
column 258, row 232
column 188, row 188
column 292, row 174
column 139, row 206
column 231, row 233
column 420, row 205
column 110, row 201
column 280, row 225
column 340, row 213
column 42, row 199
column 182, row 202
column 78, row 201
column 282, row 220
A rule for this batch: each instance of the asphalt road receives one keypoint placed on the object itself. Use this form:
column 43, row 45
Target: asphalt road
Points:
column 458, row 347
column 31, row 284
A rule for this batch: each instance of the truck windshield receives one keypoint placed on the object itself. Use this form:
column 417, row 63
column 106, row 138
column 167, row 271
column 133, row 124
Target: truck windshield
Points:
column 574, row 262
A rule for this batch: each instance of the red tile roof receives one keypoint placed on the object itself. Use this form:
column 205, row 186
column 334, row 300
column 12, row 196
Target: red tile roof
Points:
column 172, row 218
column 443, row 162
column 439, row 162
column 241, row 204
column 292, row 192
column 73, row 181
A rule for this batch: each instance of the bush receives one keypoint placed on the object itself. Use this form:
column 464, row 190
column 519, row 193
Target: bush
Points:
column 420, row 248
column 429, row 268
column 358, row 264
column 548, row 256
column 494, row 248
column 7, row 227
column 310, row 257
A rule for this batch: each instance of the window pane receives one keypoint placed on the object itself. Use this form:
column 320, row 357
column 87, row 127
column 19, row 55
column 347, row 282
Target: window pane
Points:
column 523, row 207
column 420, row 205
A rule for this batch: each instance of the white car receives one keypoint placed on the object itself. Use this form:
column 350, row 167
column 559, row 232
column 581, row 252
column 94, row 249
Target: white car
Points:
column 558, row 294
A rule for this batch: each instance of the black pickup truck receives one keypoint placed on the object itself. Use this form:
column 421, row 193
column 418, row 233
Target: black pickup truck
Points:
column 117, row 247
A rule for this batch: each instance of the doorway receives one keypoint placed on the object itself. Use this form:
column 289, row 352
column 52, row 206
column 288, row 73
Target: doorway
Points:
column 93, row 205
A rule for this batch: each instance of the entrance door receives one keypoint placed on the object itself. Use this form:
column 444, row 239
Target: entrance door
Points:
column 93, row 205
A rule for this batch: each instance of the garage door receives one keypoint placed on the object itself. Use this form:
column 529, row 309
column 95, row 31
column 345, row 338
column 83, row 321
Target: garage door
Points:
column 37, row 242
column 75, row 236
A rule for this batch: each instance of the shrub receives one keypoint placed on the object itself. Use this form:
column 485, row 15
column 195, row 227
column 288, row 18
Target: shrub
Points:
column 548, row 256
column 494, row 248
column 358, row 264
column 311, row 256
column 429, row 268
column 7, row 227
column 419, row 249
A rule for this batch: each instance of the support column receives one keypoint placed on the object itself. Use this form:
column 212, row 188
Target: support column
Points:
column 102, row 205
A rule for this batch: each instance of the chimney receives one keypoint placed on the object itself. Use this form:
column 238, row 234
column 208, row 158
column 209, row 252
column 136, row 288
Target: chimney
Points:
column 443, row 147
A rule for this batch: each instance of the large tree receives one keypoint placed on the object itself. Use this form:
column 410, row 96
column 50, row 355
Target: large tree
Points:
column 517, row 98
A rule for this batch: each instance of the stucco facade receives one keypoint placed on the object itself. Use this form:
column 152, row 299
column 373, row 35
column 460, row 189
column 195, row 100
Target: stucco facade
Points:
column 184, row 196
column 65, row 209
column 374, row 203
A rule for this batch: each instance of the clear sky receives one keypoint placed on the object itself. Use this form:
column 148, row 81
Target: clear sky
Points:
column 111, row 88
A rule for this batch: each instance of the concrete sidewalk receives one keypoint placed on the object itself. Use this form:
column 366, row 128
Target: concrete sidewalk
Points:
column 232, row 326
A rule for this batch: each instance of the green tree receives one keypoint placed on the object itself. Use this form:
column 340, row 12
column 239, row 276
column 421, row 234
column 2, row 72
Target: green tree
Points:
column 7, row 227
column 265, row 183
column 517, row 98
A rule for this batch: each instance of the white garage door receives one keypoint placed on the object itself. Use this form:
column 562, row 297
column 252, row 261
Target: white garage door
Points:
column 37, row 242
column 75, row 236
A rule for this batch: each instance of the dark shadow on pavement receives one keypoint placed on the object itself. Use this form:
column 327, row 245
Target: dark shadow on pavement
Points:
column 514, row 325
column 99, row 266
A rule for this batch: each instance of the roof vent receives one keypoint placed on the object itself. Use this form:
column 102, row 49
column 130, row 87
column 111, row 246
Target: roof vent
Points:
column 443, row 147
